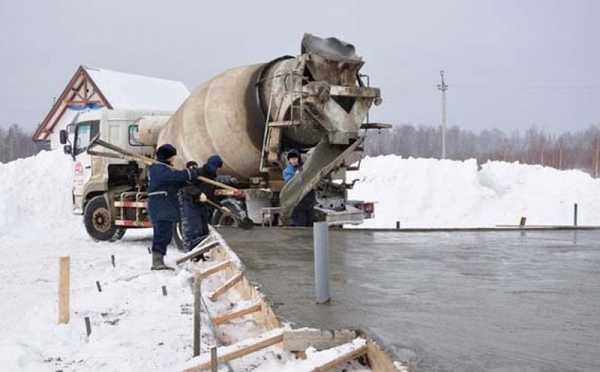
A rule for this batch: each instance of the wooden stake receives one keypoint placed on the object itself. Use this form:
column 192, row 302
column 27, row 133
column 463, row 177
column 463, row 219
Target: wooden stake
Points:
column 164, row 290
column 227, row 285
column 98, row 286
column 63, row 289
column 88, row 326
column 523, row 221
column 197, row 318
column 237, row 313
column 214, row 361
column 112, row 259
column 197, row 252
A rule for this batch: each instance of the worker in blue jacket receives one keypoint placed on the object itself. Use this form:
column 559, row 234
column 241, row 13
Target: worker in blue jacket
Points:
column 303, row 214
column 195, row 212
column 163, row 184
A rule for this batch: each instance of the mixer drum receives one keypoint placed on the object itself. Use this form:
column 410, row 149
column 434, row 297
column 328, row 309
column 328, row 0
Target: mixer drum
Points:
column 222, row 116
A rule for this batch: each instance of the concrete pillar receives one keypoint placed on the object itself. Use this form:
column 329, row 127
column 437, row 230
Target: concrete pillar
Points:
column 321, row 243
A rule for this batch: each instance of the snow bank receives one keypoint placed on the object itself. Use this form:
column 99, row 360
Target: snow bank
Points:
column 35, row 194
column 447, row 193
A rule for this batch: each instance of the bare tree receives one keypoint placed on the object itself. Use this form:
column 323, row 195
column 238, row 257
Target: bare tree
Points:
column 579, row 150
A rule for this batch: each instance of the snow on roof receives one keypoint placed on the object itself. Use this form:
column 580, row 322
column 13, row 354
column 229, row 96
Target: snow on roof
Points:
column 138, row 92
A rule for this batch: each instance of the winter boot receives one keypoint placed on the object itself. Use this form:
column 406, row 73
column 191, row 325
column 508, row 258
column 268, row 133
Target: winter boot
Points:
column 158, row 262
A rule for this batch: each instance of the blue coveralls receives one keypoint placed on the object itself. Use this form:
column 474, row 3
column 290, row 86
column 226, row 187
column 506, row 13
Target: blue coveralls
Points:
column 195, row 215
column 163, row 185
column 303, row 214
column 194, row 219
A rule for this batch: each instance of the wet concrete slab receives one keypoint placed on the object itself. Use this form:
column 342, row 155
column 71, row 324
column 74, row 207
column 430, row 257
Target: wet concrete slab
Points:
column 447, row 301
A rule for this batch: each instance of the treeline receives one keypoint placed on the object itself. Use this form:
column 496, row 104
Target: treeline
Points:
column 570, row 150
column 15, row 143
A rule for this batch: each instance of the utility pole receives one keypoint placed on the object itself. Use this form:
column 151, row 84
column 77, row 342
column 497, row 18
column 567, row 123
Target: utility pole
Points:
column 443, row 87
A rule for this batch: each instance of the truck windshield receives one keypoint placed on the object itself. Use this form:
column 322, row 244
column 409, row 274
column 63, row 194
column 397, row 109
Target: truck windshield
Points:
column 84, row 132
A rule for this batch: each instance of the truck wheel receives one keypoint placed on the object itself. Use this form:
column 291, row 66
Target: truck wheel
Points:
column 178, row 236
column 98, row 222
column 221, row 219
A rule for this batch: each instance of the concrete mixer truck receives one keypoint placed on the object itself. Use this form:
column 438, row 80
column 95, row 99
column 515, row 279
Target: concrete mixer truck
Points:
column 317, row 102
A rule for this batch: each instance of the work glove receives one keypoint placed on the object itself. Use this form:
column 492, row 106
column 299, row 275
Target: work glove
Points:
column 203, row 198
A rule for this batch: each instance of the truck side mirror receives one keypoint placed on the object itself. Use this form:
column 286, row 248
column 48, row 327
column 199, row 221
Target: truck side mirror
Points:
column 64, row 136
column 67, row 149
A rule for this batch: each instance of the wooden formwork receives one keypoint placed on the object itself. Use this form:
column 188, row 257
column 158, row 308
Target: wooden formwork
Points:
column 297, row 341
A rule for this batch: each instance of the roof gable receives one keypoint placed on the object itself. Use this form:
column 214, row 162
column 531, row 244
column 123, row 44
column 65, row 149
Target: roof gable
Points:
column 95, row 88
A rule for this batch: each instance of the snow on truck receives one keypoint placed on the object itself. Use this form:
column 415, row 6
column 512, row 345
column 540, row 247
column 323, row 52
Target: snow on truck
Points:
column 251, row 116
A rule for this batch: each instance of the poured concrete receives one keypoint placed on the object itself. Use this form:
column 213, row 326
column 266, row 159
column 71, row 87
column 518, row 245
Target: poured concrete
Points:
column 447, row 301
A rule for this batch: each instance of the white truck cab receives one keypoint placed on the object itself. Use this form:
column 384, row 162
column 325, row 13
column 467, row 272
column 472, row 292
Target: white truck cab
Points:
column 101, row 177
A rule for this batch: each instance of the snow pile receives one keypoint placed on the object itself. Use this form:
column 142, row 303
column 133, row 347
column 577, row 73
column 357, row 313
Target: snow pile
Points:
column 447, row 193
column 35, row 194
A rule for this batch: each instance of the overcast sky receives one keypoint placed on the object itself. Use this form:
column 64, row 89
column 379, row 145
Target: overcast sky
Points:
column 509, row 64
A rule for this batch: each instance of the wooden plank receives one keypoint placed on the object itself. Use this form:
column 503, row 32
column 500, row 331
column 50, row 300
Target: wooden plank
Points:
column 226, row 286
column 63, row 289
column 197, row 252
column 301, row 339
column 220, row 319
column 379, row 361
column 343, row 358
column 214, row 269
column 240, row 349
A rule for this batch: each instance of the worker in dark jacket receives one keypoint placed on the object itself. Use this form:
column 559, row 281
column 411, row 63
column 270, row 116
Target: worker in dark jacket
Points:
column 196, row 213
column 163, row 184
column 303, row 214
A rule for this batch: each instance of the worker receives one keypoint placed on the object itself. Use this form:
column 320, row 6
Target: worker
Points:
column 196, row 213
column 303, row 214
column 163, row 185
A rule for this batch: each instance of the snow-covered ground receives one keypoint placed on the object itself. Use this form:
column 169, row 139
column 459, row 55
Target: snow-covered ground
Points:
column 135, row 327
column 447, row 193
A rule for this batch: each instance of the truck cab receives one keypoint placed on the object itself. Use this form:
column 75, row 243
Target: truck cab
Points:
column 98, row 179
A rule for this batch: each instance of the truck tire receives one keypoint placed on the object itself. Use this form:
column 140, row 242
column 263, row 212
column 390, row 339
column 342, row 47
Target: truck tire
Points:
column 178, row 236
column 98, row 222
column 221, row 219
